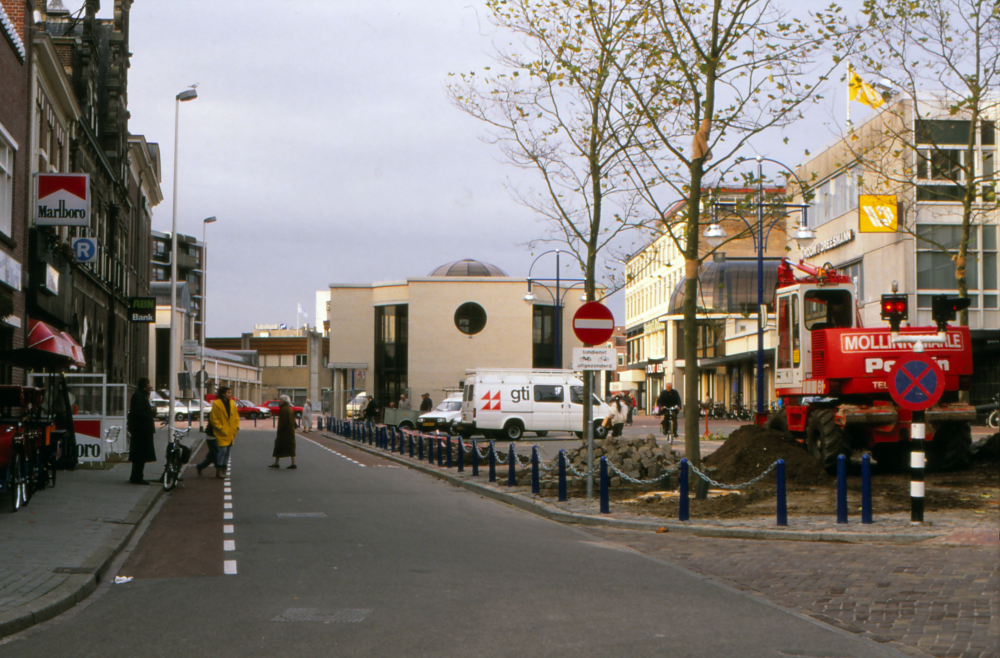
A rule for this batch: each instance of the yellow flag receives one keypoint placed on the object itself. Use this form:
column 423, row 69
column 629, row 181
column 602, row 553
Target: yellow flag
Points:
column 863, row 92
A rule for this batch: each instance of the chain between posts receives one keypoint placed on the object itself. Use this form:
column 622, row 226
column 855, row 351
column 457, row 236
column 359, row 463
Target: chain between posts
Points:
column 732, row 487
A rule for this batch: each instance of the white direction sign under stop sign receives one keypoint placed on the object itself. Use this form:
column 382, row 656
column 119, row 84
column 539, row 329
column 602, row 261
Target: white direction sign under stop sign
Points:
column 595, row 358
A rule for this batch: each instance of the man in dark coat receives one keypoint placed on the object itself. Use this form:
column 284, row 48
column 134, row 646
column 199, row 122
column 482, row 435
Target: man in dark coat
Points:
column 141, row 426
column 371, row 410
column 668, row 399
column 426, row 404
column 284, row 442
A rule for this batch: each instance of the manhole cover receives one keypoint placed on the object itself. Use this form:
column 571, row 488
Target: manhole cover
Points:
column 301, row 515
column 343, row 615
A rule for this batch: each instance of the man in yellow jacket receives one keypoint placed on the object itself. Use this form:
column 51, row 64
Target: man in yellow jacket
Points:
column 225, row 422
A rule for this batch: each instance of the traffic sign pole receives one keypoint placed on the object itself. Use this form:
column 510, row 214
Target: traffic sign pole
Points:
column 917, row 462
column 593, row 324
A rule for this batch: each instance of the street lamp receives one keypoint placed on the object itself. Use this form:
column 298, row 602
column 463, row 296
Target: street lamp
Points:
column 184, row 96
column 716, row 235
column 204, row 315
column 557, row 299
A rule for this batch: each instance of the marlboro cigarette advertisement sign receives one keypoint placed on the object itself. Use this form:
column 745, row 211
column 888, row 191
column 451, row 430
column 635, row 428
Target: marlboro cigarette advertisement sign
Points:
column 63, row 199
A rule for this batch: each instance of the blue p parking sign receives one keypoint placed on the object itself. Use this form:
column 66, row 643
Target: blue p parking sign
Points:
column 85, row 250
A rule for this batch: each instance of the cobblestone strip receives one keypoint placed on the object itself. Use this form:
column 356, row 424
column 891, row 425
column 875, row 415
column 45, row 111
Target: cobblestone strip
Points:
column 939, row 600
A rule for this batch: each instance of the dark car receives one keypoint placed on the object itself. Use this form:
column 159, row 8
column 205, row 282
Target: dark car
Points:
column 274, row 404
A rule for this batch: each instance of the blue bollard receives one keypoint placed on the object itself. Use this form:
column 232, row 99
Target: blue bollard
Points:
column 511, row 479
column 402, row 441
column 475, row 458
column 420, row 453
column 535, row 487
column 605, row 504
column 493, row 462
column 461, row 455
column 274, row 420
column 782, row 500
column 448, row 448
column 255, row 421
column 440, row 449
column 562, row 476
column 410, row 436
column 682, row 506
column 841, row 489
column 866, row 489
column 392, row 439
column 431, row 444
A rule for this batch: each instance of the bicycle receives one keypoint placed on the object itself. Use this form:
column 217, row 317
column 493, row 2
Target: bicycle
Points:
column 177, row 456
column 669, row 423
column 993, row 420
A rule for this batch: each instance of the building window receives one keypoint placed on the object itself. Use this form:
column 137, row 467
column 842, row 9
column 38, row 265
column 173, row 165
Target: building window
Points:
column 470, row 318
column 543, row 337
column 301, row 359
column 834, row 197
column 942, row 163
column 936, row 269
column 6, row 185
column 855, row 270
column 159, row 274
column 391, row 350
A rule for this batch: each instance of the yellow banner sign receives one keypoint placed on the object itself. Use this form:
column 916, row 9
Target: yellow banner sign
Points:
column 878, row 213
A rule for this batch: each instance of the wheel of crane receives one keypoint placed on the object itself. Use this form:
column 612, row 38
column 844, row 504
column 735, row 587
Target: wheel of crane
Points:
column 949, row 449
column 777, row 421
column 825, row 440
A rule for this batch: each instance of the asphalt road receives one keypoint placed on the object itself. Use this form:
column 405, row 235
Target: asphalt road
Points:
column 350, row 556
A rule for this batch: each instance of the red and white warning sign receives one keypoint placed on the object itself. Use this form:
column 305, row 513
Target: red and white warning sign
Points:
column 593, row 323
column 63, row 199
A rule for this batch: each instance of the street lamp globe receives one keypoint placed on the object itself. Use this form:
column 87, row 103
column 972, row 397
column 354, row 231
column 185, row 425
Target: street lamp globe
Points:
column 803, row 235
column 715, row 235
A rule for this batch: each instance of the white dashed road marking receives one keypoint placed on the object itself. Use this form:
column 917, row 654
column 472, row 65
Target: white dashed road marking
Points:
column 335, row 452
column 229, row 567
column 227, row 529
column 229, row 545
column 227, row 516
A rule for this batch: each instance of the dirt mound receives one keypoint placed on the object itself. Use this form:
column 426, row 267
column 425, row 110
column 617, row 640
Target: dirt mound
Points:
column 987, row 451
column 750, row 449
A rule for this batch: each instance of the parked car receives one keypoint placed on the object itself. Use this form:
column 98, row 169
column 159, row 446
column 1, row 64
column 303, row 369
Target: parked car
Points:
column 248, row 409
column 356, row 407
column 272, row 406
column 444, row 417
column 181, row 411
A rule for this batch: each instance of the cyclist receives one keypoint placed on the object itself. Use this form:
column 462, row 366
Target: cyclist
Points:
column 668, row 398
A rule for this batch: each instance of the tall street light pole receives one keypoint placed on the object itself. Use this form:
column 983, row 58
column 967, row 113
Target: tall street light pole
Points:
column 204, row 317
column 716, row 235
column 184, row 96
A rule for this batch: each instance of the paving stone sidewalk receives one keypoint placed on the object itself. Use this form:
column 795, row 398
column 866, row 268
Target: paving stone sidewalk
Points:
column 61, row 544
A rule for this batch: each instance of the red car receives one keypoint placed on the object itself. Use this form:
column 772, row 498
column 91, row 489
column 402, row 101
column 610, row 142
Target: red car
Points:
column 247, row 409
column 274, row 404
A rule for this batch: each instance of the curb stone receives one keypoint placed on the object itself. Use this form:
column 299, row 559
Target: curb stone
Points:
column 77, row 587
column 548, row 511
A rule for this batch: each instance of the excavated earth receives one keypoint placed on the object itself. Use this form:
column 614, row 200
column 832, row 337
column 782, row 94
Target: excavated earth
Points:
column 750, row 450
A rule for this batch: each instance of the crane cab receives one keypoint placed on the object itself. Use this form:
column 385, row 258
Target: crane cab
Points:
column 803, row 308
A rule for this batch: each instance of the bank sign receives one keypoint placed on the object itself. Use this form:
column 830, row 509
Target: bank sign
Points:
column 142, row 309
column 63, row 199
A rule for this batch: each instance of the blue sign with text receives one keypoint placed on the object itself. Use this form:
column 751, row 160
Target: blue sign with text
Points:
column 85, row 250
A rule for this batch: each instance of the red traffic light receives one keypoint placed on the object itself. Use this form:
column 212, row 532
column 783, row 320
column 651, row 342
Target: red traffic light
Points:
column 895, row 309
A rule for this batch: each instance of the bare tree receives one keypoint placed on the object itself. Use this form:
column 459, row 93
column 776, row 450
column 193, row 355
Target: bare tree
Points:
column 935, row 140
column 556, row 107
column 713, row 76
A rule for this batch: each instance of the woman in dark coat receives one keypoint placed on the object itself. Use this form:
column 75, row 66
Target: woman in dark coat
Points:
column 284, row 442
column 141, row 426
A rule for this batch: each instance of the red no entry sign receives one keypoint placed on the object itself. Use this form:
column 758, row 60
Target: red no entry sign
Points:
column 593, row 323
column 916, row 382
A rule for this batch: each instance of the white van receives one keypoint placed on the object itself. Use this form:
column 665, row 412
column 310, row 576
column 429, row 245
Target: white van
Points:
column 509, row 402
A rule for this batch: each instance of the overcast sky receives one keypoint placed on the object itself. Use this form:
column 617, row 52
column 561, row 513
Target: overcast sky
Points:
column 323, row 141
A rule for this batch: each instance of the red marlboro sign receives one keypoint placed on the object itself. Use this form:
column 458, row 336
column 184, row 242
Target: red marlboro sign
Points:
column 63, row 199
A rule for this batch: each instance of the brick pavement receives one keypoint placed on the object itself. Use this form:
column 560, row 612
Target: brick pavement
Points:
column 939, row 600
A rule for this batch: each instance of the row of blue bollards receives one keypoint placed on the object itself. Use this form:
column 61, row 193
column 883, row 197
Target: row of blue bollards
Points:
column 386, row 438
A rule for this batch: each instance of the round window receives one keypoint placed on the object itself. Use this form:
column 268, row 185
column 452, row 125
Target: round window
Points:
column 470, row 318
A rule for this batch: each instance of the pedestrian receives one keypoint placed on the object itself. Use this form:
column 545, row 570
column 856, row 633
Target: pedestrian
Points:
column 666, row 401
column 284, row 441
column 141, row 427
column 307, row 416
column 616, row 419
column 225, row 421
column 426, row 404
column 404, row 402
column 629, row 404
column 371, row 410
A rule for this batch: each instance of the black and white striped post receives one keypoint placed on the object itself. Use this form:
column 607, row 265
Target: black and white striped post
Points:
column 917, row 462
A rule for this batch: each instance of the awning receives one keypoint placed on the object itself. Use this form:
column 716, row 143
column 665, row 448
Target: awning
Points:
column 749, row 357
column 46, row 347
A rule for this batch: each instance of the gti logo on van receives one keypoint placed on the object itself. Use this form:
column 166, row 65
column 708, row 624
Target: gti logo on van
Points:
column 492, row 401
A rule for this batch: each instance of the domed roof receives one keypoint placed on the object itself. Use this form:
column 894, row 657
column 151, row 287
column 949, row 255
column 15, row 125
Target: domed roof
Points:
column 468, row 267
